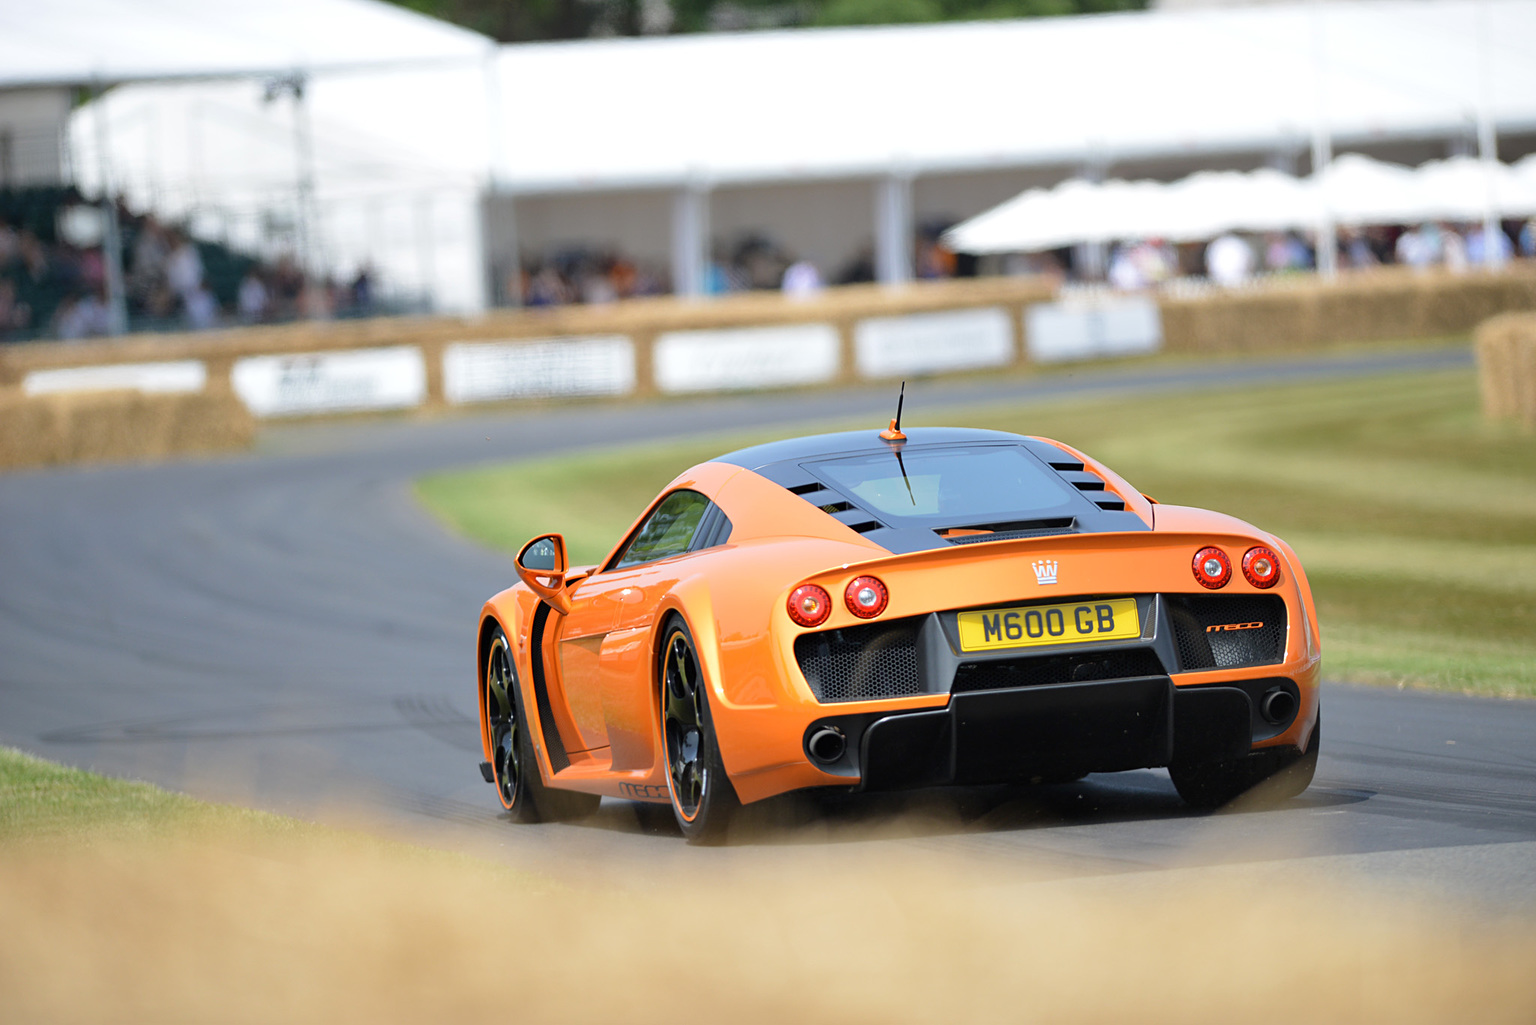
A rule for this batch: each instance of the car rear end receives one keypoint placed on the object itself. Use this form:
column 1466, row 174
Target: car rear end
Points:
column 1038, row 659
column 1036, row 617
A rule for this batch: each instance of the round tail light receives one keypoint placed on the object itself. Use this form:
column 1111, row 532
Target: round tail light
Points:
column 866, row 597
column 1261, row 567
column 809, row 605
column 1212, row 567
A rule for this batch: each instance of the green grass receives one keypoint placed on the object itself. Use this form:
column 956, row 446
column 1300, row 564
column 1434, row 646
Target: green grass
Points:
column 51, row 807
column 41, row 799
column 1415, row 517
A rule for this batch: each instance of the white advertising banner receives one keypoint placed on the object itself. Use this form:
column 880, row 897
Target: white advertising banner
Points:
column 331, row 382
column 750, row 357
column 929, row 343
column 169, row 378
column 1129, row 326
column 538, row 367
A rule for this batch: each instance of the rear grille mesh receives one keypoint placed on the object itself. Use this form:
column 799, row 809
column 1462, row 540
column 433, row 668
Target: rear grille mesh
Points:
column 862, row 662
column 1203, row 648
column 1120, row 664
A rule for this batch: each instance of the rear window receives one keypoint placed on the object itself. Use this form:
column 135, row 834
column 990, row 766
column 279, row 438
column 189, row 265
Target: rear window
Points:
column 950, row 486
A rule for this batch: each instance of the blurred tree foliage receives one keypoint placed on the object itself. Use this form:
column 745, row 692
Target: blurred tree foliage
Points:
column 513, row 21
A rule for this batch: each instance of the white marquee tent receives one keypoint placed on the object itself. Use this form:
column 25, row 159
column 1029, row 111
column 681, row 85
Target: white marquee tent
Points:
column 1354, row 190
column 84, row 42
column 695, row 115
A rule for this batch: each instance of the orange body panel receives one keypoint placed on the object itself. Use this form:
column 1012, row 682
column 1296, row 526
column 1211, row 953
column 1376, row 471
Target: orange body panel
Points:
column 600, row 662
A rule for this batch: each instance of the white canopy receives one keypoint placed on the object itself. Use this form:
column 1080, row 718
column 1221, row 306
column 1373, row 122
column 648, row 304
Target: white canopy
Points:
column 1365, row 191
column 1457, row 190
column 82, row 42
column 793, row 105
column 767, row 106
column 1356, row 189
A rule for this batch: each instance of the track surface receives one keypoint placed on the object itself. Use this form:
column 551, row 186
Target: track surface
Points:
column 291, row 631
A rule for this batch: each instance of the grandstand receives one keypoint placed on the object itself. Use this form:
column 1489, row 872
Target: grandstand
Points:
column 56, row 55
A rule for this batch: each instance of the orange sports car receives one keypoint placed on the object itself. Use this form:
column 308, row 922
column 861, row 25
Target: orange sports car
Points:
column 876, row 610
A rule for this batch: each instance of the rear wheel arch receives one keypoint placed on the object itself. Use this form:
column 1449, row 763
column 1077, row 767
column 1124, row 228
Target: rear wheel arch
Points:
column 699, row 786
column 687, row 597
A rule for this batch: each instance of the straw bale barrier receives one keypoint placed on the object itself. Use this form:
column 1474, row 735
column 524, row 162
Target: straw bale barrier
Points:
column 640, row 319
column 118, row 426
column 1387, row 304
column 1506, row 367
column 1277, row 314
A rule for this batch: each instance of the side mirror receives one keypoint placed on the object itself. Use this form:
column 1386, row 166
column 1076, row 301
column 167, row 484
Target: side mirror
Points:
column 541, row 565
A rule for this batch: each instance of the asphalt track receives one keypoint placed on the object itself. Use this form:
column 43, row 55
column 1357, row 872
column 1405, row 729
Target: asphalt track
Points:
column 290, row 630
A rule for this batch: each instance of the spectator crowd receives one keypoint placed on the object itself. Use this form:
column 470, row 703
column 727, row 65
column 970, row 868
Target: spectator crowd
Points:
column 756, row 262
column 53, row 273
column 53, row 280
column 753, row 261
column 1232, row 259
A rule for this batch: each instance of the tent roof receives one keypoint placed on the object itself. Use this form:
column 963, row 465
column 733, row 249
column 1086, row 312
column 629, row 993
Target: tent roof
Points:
column 830, row 103
column 1356, row 190
column 81, row 42
column 839, row 102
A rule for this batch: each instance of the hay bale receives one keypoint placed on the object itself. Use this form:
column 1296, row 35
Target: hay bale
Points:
column 1506, row 367
column 1386, row 304
column 114, row 426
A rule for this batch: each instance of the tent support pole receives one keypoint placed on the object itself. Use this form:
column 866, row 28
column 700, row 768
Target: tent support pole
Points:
column 304, row 151
column 690, row 239
column 112, row 239
column 1487, row 145
column 508, row 291
column 893, row 229
column 1322, row 146
column 426, row 251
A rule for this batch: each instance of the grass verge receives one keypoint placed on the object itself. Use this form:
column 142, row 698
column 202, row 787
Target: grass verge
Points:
column 1415, row 518
column 185, row 921
column 41, row 801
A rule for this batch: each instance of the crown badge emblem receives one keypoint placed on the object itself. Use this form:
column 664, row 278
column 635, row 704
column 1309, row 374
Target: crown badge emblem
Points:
column 1045, row 571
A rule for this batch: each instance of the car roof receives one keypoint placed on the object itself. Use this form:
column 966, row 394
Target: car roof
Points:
column 817, row 446
column 791, row 465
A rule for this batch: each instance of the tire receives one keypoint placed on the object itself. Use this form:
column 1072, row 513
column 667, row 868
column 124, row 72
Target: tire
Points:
column 515, row 769
column 703, row 799
column 1265, row 777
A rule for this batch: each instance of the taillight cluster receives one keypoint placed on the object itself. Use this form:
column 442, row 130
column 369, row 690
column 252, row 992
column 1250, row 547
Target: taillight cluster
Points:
column 809, row 605
column 1261, row 567
column 1213, row 569
column 865, row 596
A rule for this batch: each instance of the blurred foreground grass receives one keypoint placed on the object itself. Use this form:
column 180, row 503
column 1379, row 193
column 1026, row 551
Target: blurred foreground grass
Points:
column 1415, row 518
column 41, row 800
column 198, row 917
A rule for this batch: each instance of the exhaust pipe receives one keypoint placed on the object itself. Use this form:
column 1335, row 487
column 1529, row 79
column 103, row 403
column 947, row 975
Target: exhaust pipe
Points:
column 827, row 744
column 1277, row 706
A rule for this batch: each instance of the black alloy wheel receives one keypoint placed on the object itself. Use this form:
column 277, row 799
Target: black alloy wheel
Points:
column 509, row 755
column 518, row 783
column 702, row 796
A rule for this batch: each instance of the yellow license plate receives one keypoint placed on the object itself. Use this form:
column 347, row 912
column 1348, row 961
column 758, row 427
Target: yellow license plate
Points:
column 1110, row 620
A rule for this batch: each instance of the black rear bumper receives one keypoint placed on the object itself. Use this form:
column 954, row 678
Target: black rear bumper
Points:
column 1015, row 734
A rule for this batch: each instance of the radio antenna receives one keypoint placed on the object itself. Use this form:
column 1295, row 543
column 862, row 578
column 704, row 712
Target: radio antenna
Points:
column 893, row 432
